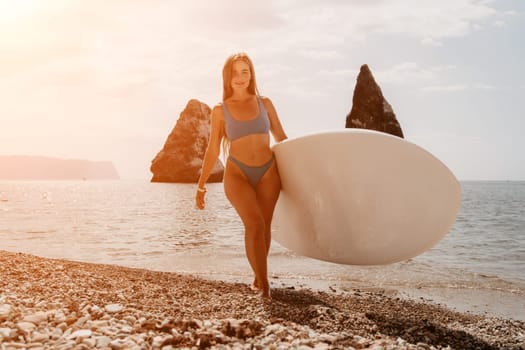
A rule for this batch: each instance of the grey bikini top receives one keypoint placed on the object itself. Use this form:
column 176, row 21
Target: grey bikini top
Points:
column 239, row 128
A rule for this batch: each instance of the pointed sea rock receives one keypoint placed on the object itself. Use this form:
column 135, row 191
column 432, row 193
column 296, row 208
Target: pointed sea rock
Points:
column 370, row 110
column 180, row 159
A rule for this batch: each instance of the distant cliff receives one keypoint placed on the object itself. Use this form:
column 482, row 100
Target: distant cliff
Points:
column 46, row 168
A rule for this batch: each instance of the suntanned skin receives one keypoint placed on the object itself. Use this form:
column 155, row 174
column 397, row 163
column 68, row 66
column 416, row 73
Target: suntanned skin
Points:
column 255, row 206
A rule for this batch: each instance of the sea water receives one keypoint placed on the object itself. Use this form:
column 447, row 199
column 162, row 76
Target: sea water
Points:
column 156, row 226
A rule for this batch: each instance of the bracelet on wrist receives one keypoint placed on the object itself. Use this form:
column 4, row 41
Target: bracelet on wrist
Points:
column 201, row 189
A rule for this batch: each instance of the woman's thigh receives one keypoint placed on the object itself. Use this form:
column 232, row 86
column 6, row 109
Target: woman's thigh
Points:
column 268, row 190
column 242, row 195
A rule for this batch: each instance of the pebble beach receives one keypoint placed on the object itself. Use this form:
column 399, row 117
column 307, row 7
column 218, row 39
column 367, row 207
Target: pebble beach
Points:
column 61, row 304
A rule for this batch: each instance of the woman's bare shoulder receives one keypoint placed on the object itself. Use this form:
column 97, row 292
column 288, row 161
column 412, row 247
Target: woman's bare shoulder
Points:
column 267, row 102
column 218, row 109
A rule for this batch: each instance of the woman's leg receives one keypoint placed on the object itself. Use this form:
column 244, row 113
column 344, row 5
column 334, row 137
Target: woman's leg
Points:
column 244, row 199
column 268, row 190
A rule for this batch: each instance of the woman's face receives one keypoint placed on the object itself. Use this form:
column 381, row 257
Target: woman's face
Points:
column 241, row 75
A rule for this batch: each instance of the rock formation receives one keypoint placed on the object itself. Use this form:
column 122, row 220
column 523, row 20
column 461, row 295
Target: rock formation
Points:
column 370, row 110
column 181, row 157
column 46, row 168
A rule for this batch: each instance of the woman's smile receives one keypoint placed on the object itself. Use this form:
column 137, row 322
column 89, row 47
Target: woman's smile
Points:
column 241, row 75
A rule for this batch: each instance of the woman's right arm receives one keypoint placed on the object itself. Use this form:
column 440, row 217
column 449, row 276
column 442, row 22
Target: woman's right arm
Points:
column 212, row 152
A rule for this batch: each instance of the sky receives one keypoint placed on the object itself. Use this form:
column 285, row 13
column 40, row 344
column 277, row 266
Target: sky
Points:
column 107, row 80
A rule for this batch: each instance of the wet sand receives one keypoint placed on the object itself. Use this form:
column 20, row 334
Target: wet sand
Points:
column 496, row 303
column 59, row 304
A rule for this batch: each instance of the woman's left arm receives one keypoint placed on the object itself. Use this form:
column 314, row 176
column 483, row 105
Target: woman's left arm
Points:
column 275, row 124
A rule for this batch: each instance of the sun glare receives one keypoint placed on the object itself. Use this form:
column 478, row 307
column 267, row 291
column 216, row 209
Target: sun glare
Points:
column 13, row 11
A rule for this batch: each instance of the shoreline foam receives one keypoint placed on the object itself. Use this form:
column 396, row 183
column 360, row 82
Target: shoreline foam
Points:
column 66, row 304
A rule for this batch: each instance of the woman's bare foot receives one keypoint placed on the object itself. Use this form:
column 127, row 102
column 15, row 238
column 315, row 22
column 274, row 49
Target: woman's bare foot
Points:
column 266, row 295
column 255, row 286
column 264, row 292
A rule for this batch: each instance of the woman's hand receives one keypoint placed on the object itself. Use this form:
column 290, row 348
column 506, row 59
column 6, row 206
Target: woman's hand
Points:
column 199, row 198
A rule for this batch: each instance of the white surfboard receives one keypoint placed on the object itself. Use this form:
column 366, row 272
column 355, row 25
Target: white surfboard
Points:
column 361, row 197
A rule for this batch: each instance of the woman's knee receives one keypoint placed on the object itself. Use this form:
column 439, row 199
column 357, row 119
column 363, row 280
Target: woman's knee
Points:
column 255, row 225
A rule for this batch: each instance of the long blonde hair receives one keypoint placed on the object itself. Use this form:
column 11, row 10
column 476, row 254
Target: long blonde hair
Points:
column 227, row 90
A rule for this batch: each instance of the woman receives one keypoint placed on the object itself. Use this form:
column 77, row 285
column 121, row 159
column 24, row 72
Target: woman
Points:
column 251, row 179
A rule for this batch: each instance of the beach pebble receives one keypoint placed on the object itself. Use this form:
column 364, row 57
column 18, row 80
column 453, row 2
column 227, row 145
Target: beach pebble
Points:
column 66, row 346
column 59, row 316
column 35, row 346
column 62, row 326
column 81, row 321
column 89, row 342
column 270, row 339
column 36, row 318
column 5, row 310
column 37, row 337
column 273, row 329
column 6, row 333
column 16, row 345
column 125, row 329
column 400, row 341
column 102, row 341
column 131, row 320
column 94, row 309
column 81, row 333
column 304, row 347
column 326, row 338
column 376, row 347
column 56, row 333
column 41, row 304
column 120, row 344
column 67, row 333
column 26, row 327
column 97, row 324
column 113, row 308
